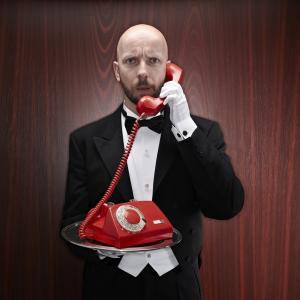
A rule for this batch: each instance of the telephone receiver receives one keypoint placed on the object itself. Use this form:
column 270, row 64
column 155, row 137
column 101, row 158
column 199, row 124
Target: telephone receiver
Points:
column 133, row 223
column 151, row 106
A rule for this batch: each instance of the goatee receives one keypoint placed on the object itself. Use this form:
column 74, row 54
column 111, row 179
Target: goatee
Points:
column 135, row 99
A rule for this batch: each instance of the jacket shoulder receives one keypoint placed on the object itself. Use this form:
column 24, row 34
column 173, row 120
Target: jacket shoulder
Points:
column 205, row 124
column 96, row 127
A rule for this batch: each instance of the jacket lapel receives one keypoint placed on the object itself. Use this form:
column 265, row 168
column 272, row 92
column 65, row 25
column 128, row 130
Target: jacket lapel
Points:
column 109, row 144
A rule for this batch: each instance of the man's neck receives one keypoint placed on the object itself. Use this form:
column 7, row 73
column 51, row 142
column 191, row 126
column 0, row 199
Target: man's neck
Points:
column 130, row 105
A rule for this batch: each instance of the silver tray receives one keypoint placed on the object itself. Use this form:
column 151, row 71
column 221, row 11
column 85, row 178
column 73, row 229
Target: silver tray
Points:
column 70, row 233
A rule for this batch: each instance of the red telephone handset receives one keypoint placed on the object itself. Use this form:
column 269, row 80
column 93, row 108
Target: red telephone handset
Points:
column 151, row 106
column 135, row 222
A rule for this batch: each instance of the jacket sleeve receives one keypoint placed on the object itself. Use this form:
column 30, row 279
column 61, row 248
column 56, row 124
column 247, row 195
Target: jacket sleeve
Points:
column 76, row 196
column 219, row 192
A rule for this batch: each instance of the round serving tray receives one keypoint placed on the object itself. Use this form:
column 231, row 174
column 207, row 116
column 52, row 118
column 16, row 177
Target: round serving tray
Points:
column 70, row 233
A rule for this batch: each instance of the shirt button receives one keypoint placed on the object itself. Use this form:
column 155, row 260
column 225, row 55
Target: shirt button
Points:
column 148, row 255
column 147, row 185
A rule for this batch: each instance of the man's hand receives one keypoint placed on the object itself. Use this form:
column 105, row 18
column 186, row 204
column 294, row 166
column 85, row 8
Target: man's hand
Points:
column 103, row 254
column 183, row 124
column 179, row 109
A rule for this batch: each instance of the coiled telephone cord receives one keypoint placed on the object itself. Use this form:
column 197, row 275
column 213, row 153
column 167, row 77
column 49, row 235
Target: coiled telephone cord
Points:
column 117, row 176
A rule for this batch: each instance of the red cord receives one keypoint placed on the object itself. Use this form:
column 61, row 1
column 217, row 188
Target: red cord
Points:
column 94, row 211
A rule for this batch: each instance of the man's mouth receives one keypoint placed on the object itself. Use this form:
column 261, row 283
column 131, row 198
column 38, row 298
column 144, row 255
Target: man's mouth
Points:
column 143, row 88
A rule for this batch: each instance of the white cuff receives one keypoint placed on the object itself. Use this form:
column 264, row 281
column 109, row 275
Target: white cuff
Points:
column 184, row 129
column 110, row 254
column 100, row 255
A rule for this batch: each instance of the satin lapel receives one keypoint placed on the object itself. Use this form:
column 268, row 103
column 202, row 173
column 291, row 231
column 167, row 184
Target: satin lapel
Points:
column 166, row 153
column 109, row 144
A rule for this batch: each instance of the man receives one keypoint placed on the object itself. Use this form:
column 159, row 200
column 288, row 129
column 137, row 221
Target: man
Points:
column 183, row 167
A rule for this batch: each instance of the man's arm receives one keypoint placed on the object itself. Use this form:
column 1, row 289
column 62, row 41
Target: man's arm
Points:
column 76, row 196
column 220, row 192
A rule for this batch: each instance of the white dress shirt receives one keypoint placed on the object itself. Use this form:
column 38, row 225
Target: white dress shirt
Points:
column 141, row 166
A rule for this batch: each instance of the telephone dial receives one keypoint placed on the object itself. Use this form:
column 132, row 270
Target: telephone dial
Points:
column 133, row 223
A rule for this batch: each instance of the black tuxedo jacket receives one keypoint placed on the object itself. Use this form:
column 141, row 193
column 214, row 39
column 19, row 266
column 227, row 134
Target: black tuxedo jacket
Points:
column 192, row 177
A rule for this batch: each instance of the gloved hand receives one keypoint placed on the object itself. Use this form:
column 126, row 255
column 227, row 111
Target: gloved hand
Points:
column 179, row 109
column 103, row 254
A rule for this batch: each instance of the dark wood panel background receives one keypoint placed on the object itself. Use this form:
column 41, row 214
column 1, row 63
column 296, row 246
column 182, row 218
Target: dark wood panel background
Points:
column 242, row 64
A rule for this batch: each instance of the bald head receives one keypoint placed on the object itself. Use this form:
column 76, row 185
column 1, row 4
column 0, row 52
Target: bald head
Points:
column 139, row 35
column 140, row 68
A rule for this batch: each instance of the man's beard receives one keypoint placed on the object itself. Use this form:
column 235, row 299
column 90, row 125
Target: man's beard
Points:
column 135, row 99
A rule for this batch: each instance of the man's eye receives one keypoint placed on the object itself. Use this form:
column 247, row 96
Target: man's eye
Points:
column 153, row 60
column 131, row 61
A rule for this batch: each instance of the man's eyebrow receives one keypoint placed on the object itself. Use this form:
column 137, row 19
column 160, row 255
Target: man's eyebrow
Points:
column 129, row 55
column 135, row 55
column 158, row 55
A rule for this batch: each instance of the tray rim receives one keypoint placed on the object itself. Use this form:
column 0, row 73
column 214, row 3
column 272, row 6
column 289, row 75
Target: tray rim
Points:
column 89, row 244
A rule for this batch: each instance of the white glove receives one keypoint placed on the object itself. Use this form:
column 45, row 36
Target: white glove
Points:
column 179, row 109
column 103, row 254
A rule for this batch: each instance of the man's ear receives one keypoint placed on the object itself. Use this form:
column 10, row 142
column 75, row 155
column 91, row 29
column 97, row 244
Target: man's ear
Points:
column 116, row 70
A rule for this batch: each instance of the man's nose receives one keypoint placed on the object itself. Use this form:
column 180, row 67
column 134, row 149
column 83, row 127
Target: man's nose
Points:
column 142, row 70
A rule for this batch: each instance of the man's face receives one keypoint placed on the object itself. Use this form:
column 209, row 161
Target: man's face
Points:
column 141, row 65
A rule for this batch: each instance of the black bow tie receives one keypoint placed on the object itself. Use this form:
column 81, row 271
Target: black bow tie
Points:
column 156, row 123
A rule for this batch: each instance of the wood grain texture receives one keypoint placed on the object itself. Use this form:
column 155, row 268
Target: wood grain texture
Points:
column 241, row 61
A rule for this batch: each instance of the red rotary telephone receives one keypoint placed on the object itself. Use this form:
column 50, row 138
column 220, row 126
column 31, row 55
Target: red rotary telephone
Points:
column 135, row 222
